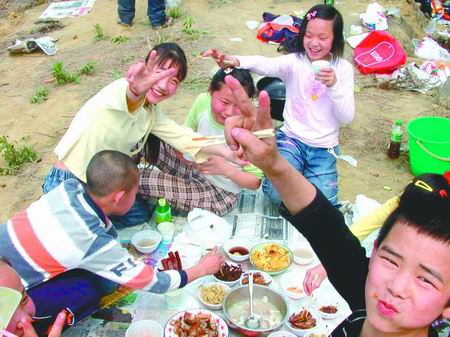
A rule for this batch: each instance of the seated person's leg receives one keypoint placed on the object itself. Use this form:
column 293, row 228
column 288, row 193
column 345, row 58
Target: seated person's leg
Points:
column 320, row 170
column 78, row 291
column 291, row 150
column 55, row 177
column 140, row 212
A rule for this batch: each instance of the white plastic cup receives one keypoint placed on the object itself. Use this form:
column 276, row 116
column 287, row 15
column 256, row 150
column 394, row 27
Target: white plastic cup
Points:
column 167, row 230
column 173, row 298
column 145, row 328
column 320, row 64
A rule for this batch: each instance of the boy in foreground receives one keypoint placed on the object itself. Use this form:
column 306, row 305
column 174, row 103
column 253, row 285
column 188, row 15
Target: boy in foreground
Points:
column 65, row 241
column 405, row 286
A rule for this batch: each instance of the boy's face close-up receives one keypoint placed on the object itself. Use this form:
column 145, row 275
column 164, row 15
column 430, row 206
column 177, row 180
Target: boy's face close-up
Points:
column 408, row 284
column 26, row 309
column 223, row 104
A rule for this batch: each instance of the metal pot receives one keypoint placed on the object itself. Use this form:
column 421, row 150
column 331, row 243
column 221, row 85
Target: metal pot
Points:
column 259, row 292
column 277, row 93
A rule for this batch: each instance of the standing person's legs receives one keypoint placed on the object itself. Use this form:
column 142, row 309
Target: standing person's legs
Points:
column 126, row 10
column 156, row 12
column 320, row 169
column 77, row 291
column 293, row 151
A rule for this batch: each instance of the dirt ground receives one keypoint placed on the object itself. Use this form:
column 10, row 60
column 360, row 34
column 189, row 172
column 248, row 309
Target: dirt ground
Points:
column 42, row 125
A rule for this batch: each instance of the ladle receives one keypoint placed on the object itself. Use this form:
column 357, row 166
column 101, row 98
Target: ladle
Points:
column 251, row 322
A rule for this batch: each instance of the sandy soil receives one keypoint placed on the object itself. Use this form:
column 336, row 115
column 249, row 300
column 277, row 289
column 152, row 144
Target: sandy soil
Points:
column 41, row 126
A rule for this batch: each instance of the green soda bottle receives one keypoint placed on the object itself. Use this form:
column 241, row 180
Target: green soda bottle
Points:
column 396, row 139
column 163, row 212
column 329, row 2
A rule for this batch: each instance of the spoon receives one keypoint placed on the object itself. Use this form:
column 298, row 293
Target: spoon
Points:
column 251, row 322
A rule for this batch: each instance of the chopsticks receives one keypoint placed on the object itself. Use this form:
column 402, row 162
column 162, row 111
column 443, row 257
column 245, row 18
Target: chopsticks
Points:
column 215, row 140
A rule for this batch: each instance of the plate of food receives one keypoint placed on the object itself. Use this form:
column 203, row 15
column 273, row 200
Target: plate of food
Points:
column 271, row 257
column 259, row 277
column 212, row 294
column 196, row 322
column 229, row 273
column 303, row 321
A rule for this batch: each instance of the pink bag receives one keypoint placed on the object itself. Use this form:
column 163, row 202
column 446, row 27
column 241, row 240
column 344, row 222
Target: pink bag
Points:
column 379, row 53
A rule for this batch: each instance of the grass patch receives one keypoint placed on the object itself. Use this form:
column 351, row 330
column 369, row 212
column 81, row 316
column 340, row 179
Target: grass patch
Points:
column 116, row 74
column 217, row 3
column 196, row 83
column 99, row 34
column 14, row 157
column 39, row 96
column 190, row 32
column 63, row 76
column 119, row 39
column 88, row 69
column 174, row 12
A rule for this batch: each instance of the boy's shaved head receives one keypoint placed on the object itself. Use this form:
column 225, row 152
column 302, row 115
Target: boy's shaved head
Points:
column 110, row 171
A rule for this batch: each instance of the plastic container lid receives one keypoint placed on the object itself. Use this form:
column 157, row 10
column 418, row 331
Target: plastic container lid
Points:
column 162, row 205
column 399, row 122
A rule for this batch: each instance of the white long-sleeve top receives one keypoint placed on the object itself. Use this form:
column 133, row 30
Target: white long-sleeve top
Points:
column 313, row 112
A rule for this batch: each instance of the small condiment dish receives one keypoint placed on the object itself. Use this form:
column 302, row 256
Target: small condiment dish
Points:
column 323, row 302
column 303, row 254
column 238, row 249
column 208, row 285
column 145, row 328
column 292, row 285
column 146, row 241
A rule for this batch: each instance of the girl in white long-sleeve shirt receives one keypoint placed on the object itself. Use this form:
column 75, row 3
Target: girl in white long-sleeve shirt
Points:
column 316, row 103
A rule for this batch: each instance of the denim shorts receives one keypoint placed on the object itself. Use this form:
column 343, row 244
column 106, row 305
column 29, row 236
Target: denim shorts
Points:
column 315, row 163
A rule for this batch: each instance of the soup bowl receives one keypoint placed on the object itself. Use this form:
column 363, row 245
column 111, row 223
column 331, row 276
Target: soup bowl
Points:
column 261, row 294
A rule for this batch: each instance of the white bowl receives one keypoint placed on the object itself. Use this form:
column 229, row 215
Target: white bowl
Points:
column 281, row 333
column 210, row 305
column 236, row 244
column 318, row 303
column 292, row 285
column 318, row 332
column 228, row 283
column 144, row 328
column 302, row 332
column 146, row 241
column 267, row 278
column 303, row 254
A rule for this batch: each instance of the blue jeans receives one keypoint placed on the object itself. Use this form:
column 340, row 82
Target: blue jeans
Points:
column 139, row 213
column 77, row 290
column 315, row 163
column 155, row 11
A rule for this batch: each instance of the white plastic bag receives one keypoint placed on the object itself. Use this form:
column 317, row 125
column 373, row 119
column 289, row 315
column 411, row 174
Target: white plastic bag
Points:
column 374, row 17
column 431, row 50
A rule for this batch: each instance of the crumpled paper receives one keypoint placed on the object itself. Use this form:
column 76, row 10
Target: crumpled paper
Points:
column 374, row 17
column 28, row 45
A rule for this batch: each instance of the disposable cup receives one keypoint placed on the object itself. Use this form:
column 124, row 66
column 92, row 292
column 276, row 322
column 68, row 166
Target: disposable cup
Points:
column 167, row 230
column 173, row 298
column 144, row 328
column 320, row 64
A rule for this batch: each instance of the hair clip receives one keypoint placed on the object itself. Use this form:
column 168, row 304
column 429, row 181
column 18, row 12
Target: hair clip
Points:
column 443, row 193
column 424, row 185
column 311, row 15
column 228, row 70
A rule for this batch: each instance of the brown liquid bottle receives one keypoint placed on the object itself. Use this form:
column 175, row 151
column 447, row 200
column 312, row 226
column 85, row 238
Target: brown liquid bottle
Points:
column 396, row 140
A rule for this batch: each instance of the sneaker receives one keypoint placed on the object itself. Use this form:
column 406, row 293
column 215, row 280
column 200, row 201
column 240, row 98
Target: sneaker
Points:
column 123, row 24
column 169, row 22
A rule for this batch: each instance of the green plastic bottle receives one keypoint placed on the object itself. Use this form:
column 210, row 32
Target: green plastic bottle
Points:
column 396, row 140
column 329, row 2
column 163, row 212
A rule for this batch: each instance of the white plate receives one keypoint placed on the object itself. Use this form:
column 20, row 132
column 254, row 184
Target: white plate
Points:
column 222, row 327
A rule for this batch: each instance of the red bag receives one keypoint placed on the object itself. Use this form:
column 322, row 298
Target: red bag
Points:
column 379, row 53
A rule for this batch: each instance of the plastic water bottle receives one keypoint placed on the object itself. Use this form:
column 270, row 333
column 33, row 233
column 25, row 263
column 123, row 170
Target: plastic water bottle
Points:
column 163, row 212
column 396, row 139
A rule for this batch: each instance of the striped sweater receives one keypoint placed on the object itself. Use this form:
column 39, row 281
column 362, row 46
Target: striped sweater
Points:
column 64, row 230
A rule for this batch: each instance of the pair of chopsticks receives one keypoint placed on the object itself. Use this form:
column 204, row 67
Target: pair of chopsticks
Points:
column 215, row 140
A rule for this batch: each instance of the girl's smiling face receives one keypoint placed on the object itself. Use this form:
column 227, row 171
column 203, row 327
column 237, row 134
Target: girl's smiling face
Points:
column 318, row 39
column 408, row 285
column 165, row 87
